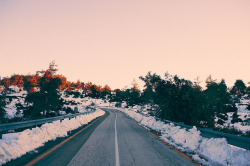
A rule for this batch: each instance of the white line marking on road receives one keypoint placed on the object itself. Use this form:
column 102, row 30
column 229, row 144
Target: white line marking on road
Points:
column 117, row 160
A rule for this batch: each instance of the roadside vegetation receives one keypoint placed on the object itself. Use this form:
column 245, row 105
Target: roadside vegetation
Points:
column 174, row 98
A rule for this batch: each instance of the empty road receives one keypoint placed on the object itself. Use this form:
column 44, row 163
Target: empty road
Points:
column 117, row 140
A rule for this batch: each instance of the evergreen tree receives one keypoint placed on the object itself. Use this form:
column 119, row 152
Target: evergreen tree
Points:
column 78, row 84
column 30, row 83
column 148, row 95
column 2, row 110
column 197, row 83
column 248, row 90
column 6, row 83
column 48, row 98
column 87, row 88
column 14, row 79
column 135, row 85
column 20, row 82
column 117, row 97
column 217, row 98
column 238, row 88
column 181, row 101
column 95, row 91
column 209, row 80
column 106, row 91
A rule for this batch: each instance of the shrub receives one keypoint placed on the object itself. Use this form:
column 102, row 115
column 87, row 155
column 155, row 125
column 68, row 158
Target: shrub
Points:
column 230, row 108
column 248, row 107
column 236, row 118
column 222, row 116
column 76, row 94
column 220, row 121
column 68, row 110
column 246, row 122
column 118, row 104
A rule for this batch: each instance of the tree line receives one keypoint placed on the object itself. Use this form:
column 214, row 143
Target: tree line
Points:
column 44, row 97
column 31, row 82
column 179, row 99
column 184, row 101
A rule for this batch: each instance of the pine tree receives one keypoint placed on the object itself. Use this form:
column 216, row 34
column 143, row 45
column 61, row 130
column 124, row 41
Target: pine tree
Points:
column 63, row 80
column 78, row 84
column 2, row 110
column 135, row 85
column 87, row 88
column 48, row 98
column 30, row 83
column 14, row 79
column 52, row 67
column 6, row 83
column 106, row 90
column 239, row 87
column 20, row 82
column 248, row 89
column 197, row 83
column 209, row 80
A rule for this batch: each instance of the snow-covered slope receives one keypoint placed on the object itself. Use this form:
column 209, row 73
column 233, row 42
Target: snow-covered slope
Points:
column 242, row 112
column 16, row 97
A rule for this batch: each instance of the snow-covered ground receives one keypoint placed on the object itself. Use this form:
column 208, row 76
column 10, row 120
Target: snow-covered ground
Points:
column 243, row 114
column 83, row 103
column 206, row 151
column 14, row 145
column 18, row 97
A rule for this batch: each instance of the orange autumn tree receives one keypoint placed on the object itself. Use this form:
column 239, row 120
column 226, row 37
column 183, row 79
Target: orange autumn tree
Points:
column 47, row 99
column 14, row 79
column 20, row 82
column 30, row 83
column 87, row 88
column 106, row 90
column 78, row 85
column 64, row 81
column 6, row 83
column 96, row 91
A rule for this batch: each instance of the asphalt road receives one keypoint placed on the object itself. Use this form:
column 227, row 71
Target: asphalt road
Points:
column 117, row 140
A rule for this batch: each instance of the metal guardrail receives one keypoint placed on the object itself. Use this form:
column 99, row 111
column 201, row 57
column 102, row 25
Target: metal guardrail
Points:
column 18, row 125
column 235, row 140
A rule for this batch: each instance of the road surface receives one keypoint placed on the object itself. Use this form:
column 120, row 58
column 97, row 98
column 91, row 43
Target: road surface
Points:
column 117, row 140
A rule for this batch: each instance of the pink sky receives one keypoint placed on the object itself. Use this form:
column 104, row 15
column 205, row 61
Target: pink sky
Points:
column 114, row 41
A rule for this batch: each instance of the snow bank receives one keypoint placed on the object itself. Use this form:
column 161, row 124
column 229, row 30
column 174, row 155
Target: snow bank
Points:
column 14, row 145
column 214, row 150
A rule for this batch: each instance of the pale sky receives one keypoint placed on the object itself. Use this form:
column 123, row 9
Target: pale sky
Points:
column 114, row 41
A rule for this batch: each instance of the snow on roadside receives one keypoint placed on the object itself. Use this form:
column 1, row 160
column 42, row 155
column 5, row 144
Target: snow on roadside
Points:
column 215, row 150
column 14, row 145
